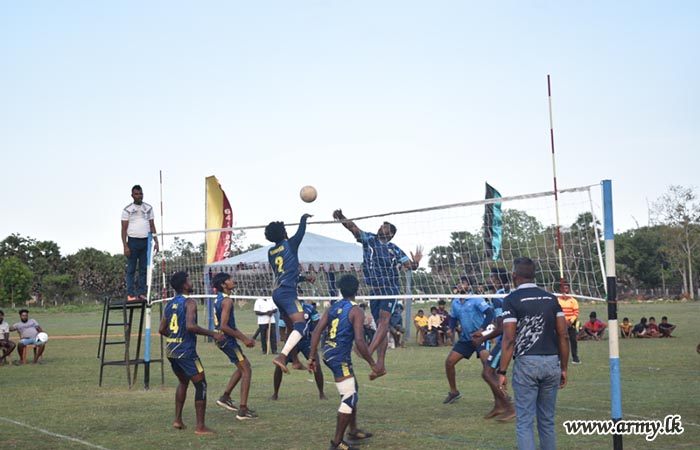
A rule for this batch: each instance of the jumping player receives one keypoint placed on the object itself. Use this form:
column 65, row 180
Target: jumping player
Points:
column 284, row 260
column 474, row 314
column 311, row 318
column 344, row 323
column 381, row 259
column 225, row 322
column 179, row 326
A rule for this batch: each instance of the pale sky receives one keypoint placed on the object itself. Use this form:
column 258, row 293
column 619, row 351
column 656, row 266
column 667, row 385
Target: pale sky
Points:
column 382, row 105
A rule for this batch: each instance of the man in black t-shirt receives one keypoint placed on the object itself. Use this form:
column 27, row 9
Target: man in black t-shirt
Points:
column 535, row 335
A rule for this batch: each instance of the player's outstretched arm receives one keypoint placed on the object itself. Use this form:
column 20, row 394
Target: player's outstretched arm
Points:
column 349, row 224
column 191, row 324
column 295, row 240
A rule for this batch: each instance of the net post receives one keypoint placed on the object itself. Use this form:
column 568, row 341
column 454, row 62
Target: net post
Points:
column 611, row 281
column 147, row 346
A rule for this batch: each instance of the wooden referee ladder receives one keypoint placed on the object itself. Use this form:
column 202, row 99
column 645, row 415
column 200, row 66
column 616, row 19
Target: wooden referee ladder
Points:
column 124, row 322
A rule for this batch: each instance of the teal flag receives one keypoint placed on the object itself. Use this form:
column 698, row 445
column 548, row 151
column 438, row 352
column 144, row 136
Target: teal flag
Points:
column 493, row 224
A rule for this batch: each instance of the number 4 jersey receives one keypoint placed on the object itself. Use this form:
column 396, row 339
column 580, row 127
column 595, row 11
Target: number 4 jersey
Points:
column 180, row 342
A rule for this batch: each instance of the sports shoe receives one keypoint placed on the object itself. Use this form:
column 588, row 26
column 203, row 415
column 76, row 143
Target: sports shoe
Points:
column 246, row 414
column 227, row 403
column 359, row 435
column 451, row 398
column 576, row 361
column 342, row 445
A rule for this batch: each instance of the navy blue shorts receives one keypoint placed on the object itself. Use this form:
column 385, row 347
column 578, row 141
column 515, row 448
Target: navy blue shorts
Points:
column 466, row 348
column 189, row 366
column 377, row 306
column 231, row 349
column 286, row 301
column 340, row 363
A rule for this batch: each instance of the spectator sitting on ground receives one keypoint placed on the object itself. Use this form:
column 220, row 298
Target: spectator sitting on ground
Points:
column 435, row 323
column 640, row 330
column 666, row 328
column 626, row 328
column 421, row 323
column 396, row 328
column 593, row 329
column 653, row 328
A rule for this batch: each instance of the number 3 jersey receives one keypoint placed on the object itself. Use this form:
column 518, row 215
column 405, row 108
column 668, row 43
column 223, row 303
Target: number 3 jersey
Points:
column 180, row 342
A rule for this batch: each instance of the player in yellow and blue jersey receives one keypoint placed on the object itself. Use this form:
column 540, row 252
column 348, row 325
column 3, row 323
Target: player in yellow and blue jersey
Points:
column 284, row 260
column 344, row 323
column 179, row 326
column 225, row 321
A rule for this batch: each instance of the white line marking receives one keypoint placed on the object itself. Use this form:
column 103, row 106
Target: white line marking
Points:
column 61, row 436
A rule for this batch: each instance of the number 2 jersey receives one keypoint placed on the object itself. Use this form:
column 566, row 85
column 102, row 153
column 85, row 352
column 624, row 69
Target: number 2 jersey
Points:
column 180, row 342
column 284, row 260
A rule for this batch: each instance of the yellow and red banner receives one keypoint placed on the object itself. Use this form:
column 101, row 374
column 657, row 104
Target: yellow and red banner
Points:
column 219, row 215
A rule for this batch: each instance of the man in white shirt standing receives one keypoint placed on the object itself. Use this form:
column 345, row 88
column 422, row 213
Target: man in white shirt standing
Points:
column 265, row 310
column 137, row 221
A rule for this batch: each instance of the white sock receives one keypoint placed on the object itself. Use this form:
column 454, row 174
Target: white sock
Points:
column 292, row 341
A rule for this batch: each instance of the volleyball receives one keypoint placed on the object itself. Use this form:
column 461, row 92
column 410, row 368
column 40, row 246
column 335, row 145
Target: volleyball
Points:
column 308, row 194
column 42, row 337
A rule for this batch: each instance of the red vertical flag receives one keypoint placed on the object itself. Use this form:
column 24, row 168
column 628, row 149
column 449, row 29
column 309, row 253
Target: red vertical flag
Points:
column 218, row 215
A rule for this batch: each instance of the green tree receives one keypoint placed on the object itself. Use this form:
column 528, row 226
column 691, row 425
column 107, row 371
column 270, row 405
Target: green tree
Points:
column 60, row 289
column 15, row 280
column 42, row 257
column 98, row 273
column 678, row 208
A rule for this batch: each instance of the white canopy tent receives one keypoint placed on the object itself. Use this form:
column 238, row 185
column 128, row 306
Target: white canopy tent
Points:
column 316, row 253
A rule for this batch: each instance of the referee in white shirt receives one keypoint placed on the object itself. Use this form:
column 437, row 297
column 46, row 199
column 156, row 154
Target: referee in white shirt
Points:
column 137, row 221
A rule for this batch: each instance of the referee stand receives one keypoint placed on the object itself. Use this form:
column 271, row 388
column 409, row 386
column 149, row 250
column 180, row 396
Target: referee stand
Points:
column 118, row 314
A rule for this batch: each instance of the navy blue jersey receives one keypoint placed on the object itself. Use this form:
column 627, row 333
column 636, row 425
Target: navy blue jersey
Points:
column 535, row 311
column 218, row 303
column 180, row 342
column 380, row 261
column 284, row 260
column 341, row 334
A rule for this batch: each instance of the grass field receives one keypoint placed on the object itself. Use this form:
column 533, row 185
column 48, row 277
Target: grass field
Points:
column 59, row 405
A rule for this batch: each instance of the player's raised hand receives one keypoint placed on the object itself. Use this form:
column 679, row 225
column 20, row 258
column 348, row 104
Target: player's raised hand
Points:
column 338, row 214
column 418, row 255
column 307, row 216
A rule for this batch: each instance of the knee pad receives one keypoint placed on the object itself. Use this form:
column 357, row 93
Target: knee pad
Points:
column 299, row 326
column 200, row 390
column 348, row 395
